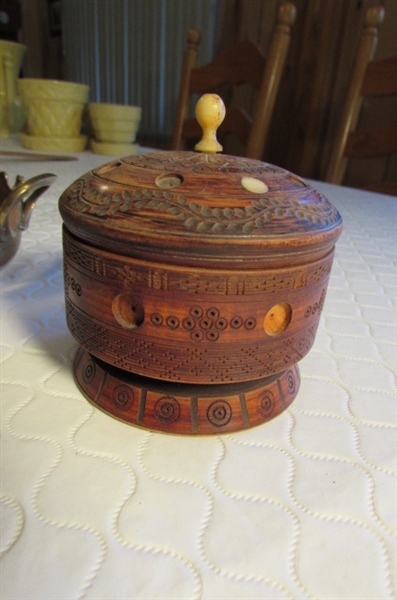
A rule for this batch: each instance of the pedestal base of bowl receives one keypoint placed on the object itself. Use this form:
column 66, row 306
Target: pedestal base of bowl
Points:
column 182, row 408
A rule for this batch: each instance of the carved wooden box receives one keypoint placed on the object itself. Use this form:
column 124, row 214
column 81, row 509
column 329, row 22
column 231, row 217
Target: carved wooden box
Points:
column 194, row 284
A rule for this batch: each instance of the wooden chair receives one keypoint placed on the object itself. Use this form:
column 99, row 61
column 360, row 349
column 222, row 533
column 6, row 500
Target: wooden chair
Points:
column 369, row 79
column 241, row 63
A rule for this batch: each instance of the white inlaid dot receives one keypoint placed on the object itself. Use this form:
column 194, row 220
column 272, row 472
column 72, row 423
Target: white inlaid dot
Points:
column 254, row 185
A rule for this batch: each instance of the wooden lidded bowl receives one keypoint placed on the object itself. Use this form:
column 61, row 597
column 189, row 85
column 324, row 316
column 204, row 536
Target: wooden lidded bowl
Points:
column 194, row 283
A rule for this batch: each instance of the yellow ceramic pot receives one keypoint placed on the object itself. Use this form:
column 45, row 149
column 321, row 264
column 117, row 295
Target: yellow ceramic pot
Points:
column 53, row 108
column 11, row 56
column 116, row 123
column 125, row 112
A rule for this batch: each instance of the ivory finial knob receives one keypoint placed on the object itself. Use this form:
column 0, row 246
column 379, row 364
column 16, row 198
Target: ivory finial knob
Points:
column 210, row 112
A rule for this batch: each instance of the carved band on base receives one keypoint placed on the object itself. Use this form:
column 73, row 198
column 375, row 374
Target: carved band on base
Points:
column 183, row 408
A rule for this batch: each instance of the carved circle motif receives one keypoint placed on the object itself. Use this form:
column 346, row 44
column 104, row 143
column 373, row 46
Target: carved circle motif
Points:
column 236, row 322
column 205, row 323
column 291, row 382
column 89, row 371
column 74, row 285
column 266, row 403
column 123, row 397
column 200, row 324
column 250, row 323
column 317, row 306
column 167, row 410
column 212, row 313
column 156, row 319
column 196, row 311
column 189, row 323
column 197, row 336
column 221, row 323
column 219, row 413
column 182, row 411
column 212, row 335
column 172, row 322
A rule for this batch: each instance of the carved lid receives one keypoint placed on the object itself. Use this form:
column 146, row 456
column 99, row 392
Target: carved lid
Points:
column 200, row 208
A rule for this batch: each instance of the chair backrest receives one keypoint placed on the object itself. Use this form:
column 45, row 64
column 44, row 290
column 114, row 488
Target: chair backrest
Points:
column 241, row 63
column 369, row 79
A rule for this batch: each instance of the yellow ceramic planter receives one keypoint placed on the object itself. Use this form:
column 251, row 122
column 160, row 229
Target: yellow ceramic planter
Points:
column 53, row 108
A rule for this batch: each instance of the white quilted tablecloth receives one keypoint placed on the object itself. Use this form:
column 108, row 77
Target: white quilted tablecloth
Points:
column 302, row 507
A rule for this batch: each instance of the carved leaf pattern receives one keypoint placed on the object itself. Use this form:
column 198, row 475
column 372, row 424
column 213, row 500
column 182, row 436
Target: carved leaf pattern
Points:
column 198, row 217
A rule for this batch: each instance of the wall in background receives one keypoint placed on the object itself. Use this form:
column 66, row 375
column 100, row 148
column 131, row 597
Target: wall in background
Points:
column 41, row 32
column 131, row 52
column 153, row 32
column 330, row 32
column 323, row 46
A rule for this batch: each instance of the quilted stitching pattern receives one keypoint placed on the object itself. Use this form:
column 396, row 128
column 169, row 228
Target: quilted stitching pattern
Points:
column 303, row 507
